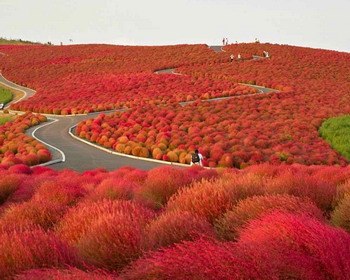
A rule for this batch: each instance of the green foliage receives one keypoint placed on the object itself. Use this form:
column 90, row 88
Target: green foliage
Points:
column 336, row 131
column 4, row 119
column 5, row 95
column 4, row 41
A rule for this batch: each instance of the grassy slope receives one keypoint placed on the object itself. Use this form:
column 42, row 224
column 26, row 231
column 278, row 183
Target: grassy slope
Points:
column 336, row 131
column 5, row 118
column 5, row 95
column 4, row 41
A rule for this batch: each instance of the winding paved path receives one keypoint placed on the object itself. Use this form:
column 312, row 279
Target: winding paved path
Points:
column 69, row 153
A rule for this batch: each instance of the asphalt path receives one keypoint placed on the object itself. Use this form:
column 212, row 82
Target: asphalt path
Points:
column 70, row 153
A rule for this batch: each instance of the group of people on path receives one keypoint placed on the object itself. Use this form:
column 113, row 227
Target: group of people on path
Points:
column 232, row 57
column 224, row 41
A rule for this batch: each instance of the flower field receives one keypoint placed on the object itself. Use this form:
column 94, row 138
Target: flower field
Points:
column 18, row 148
column 167, row 223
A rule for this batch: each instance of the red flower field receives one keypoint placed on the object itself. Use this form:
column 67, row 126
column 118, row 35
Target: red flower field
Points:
column 16, row 147
column 167, row 223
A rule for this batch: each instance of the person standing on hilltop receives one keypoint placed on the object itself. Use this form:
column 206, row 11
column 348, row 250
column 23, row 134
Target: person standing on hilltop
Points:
column 197, row 158
column 223, row 41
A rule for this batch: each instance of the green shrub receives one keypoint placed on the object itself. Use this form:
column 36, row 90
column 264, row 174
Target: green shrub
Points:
column 336, row 131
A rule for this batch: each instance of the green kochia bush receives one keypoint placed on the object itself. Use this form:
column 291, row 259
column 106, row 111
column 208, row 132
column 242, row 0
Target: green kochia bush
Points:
column 336, row 131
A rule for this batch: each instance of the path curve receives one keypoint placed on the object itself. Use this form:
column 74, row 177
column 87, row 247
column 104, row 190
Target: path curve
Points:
column 78, row 155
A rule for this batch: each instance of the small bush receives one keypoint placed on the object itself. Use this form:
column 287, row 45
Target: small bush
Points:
column 211, row 199
column 8, row 185
column 173, row 227
column 21, row 251
column 205, row 260
column 38, row 212
column 112, row 189
column 59, row 192
column 106, row 233
column 228, row 225
column 319, row 191
column 341, row 214
column 64, row 274
column 297, row 247
column 162, row 183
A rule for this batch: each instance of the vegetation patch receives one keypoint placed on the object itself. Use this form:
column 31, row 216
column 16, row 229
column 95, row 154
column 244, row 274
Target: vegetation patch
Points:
column 336, row 131
column 5, row 95
column 4, row 119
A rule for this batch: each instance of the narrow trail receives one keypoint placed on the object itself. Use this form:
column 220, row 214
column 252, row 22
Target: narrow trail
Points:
column 68, row 152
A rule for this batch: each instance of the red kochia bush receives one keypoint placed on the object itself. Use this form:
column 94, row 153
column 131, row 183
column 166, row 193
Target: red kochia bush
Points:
column 173, row 227
column 319, row 191
column 64, row 274
column 248, row 209
column 297, row 247
column 59, row 191
column 113, row 189
column 205, row 260
column 21, row 251
column 162, row 182
column 341, row 214
column 106, row 233
column 211, row 199
column 8, row 185
column 38, row 212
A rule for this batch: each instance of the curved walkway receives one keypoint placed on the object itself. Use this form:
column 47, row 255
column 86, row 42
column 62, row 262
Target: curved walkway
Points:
column 77, row 155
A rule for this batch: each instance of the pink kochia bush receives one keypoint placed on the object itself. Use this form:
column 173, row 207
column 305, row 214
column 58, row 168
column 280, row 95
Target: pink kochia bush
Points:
column 20, row 251
column 213, row 198
column 297, row 247
column 174, row 227
column 106, row 233
column 229, row 225
column 64, row 274
column 205, row 260
column 318, row 190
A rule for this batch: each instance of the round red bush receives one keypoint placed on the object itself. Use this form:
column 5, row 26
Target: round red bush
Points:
column 162, row 182
column 298, row 246
column 211, row 199
column 174, row 227
column 229, row 225
column 106, row 233
column 64, row 274
column 205, row 260
column 21, row 251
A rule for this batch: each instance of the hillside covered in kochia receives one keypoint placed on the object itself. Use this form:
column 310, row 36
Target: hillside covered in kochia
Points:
column 276, row 127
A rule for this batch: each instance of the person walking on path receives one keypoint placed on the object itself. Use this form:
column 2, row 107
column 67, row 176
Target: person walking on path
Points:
column 197, row 158
column 232, row 57
column 266, row 54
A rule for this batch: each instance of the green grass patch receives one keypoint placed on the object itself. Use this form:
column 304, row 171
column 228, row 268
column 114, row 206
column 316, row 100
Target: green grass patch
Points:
column 5, row 95
column 4, row 41
column 336, row 131
column 5, row 119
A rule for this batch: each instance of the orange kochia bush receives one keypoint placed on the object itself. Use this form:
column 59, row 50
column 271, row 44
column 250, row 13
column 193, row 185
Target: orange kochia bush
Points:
column 16, row 147
column 229, row 133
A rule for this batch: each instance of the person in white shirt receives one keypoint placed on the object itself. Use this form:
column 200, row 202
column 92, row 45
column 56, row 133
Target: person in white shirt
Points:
column 232, row 57
column 197, row 158
column 239, row 56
